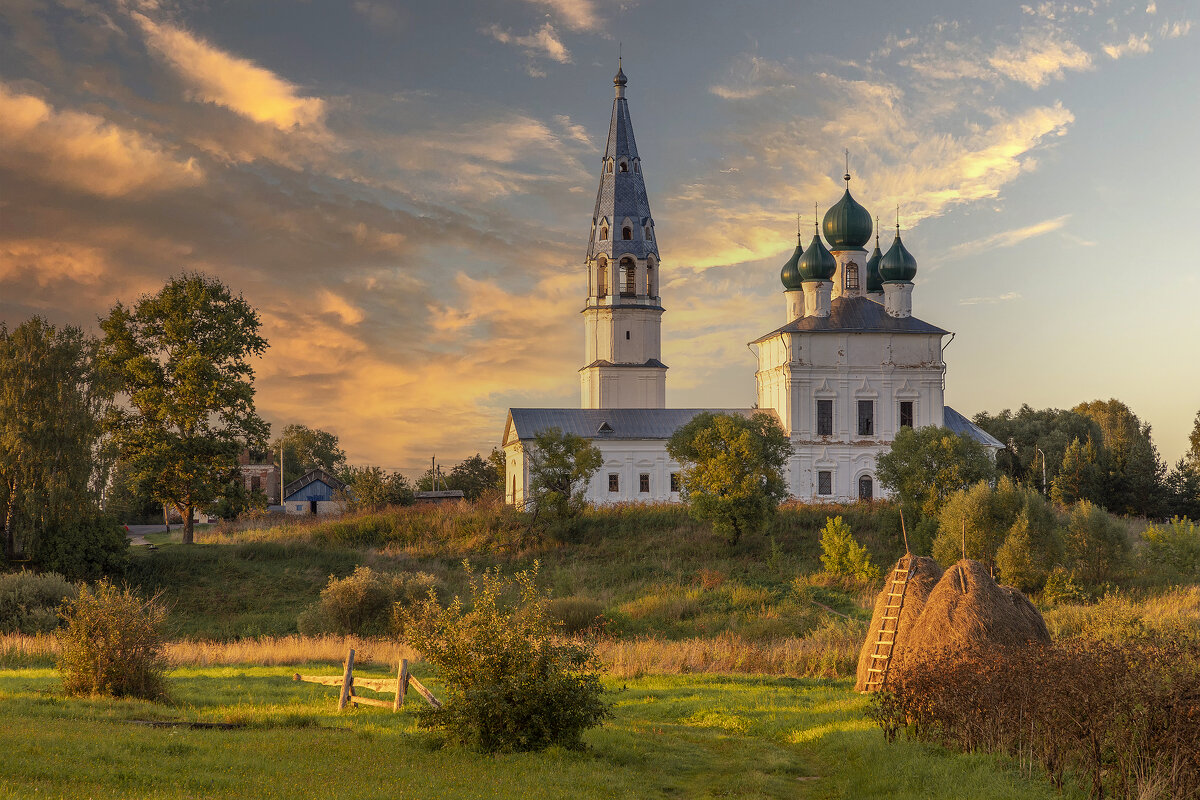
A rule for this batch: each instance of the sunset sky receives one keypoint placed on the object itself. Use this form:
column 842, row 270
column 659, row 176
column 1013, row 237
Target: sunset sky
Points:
column 404, row 190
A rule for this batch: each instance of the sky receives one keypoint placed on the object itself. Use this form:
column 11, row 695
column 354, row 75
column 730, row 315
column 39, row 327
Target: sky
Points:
column 404, row 190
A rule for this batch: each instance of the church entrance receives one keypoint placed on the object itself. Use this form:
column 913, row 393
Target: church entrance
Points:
column 866, row 488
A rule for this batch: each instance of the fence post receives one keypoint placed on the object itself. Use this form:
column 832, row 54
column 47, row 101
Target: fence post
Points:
column 347, row 681
column 401, row 683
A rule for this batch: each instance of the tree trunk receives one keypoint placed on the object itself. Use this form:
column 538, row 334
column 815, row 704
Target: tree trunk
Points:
column 10, row 542
column 187, row 524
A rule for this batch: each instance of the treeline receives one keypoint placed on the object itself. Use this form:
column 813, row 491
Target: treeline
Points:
column 1100, row 452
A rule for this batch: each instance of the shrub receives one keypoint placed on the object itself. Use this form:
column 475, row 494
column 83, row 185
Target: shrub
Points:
column 29, row 601
column 1096, row 544
column 112, row 644
column 1174, row 547
column 364, row 602
column 1061, row 587
column 511, row 685
column 842, row 556
column 84, row 549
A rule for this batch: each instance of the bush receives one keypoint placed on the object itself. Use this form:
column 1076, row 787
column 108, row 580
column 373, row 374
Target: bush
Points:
column 83, row 550
column 1173, row 548
column 511, row 685
column 29, row 601
column 112, row 644
column 1096, row 544
column 1061, row 587
column 844, row 557
column 364, row 603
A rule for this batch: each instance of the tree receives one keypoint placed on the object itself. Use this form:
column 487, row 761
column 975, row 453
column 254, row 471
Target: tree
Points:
column 474, row 476
column 370, row 488
column 1080, row 477
column 732, row 469
column 1193, row 454
column 306, row 449
column 1132, row 477
column 926, row 465
column 498, row 463
column 182, row 360
column 1097, row 545
column 53, row 463
column 1182, row 486
column 1049, row 430
column 560, row 467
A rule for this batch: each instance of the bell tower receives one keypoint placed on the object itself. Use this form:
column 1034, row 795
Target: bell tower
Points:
column 622, row 316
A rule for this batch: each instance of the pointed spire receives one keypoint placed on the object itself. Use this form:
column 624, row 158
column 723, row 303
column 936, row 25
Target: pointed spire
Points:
column 619, row 79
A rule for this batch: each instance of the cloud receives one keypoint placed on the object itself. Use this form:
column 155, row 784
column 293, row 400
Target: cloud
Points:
column 1151, row 7
column 1173, row 30
column 1135, row 45
column 542, row 42
column 1039, row 58
column 1001, row 298
column 214, row 76
column 84, row 151
column 1007, row 238
column 577, row 15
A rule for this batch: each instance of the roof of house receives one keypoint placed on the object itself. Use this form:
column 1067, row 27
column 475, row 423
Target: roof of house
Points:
column 312, row 476
column 957, row 423
column 855, row 315
column 607, row 423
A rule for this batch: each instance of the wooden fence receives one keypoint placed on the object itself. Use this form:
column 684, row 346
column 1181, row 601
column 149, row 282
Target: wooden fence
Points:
column 349, row 684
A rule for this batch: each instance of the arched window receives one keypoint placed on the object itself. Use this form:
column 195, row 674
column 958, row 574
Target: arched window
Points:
column 629, row 273
column 602, row 277
column 649, row 234
column 649, row 278
column 624, row 167
column 866, row 488
column 604, row 233
column 637, row 166
column 852, row 275
column 608, row 167
column 627, row 233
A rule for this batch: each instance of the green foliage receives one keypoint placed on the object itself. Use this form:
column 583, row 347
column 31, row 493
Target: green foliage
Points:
column 1097, row 546
column 53, row 462
column 1182, row 486
column 1080, row 477
column 372, row 489
column 182, row 360
column 84, row 549
column 1061, row 587
column 511, row 683
column 844, row 557
column 364, row 603
column 29, row 601
column 1009, row 526
column 926, row 465
column 112, row 644
column 306, row 449
column 1132, row 470
column 1174, row 547
column 560, row 467
column 1050, row 430
column 477, row 474
column 732, row 470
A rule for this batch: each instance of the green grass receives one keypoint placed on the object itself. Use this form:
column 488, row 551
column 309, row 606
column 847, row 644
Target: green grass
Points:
column 671, row 737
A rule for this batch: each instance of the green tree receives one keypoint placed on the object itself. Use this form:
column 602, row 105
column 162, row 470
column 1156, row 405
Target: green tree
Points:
column 182, row 358
column 841, row 555
column 731, row 469
column 1097, row 545
column 371, row 488
column 1182, row 486
column 53, row 462
column 1193, row 453
column 306, row 449
column 1132, row 469
column 474, row 476
column 498, row 463
column 1080, row 476
column 560, row 467
column 1028, row 431
column 926, row 465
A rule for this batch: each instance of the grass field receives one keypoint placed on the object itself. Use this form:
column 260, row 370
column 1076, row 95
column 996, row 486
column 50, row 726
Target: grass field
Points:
column 671, row 737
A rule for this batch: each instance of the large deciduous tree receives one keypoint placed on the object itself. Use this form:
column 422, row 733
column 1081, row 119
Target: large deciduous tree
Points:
column 732, row 469
column 306, row 449
column 1133, row 472
column 927, row 465
column 53, row 465
column 560, row 467
column 182, row 359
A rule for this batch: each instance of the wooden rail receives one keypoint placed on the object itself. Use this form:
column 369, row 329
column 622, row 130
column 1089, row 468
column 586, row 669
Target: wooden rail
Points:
column 348, row 683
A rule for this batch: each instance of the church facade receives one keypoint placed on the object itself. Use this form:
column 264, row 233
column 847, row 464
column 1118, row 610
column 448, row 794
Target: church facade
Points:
column 846, row 371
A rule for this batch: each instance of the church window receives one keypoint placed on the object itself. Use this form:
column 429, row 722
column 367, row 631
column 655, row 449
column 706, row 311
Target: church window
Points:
column 649, row 234
column 627, row 233
column 630, row 274
column 866, row 417
column 824, row 418
column 825, row 482
column 906, row 414
column 627, row 336
column 649, row 279
column 866, row 488
column 644, row 483
column 602, row 278
column 614, row 482
column 624, row 167
column 514, row 488
column 637, row 166
column 604, row 233
column 608, row 167
column 852, row 275
column 674, row 482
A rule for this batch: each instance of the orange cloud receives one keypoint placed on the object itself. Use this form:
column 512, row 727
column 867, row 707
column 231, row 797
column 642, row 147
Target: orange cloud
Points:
column 84, row 151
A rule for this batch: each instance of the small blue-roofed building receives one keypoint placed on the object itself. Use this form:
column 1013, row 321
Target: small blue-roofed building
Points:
column 315, row 492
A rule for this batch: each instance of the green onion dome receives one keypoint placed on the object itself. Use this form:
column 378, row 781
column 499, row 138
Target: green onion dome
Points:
column 817, row 263
column 897, row 264
column 847, row 226
column 874, row 279
column 790, row 274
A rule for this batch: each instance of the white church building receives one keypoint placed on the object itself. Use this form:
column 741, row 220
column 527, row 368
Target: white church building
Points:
column 849, row 367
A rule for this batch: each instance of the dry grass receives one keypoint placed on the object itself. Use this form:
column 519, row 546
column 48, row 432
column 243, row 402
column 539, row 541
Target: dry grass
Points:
column 1120, row 616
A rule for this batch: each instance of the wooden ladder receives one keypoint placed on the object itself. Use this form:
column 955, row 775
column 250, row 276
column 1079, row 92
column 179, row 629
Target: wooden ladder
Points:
column 881, row 658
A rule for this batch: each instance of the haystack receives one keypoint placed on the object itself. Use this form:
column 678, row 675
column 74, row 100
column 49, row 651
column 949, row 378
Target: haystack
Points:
column 962, row 607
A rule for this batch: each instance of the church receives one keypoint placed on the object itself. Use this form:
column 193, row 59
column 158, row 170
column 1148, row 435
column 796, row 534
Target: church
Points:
column 846, row 371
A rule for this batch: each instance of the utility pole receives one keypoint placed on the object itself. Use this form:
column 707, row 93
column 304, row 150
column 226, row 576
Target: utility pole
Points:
column 280, row 470
column 1043, row 455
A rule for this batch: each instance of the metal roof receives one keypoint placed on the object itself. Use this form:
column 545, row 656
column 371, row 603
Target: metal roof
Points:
column 855, row 315
column 626, row 423
column 957, row 423
column 313, row 476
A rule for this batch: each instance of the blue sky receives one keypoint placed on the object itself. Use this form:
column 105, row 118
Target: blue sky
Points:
column 404, row 190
